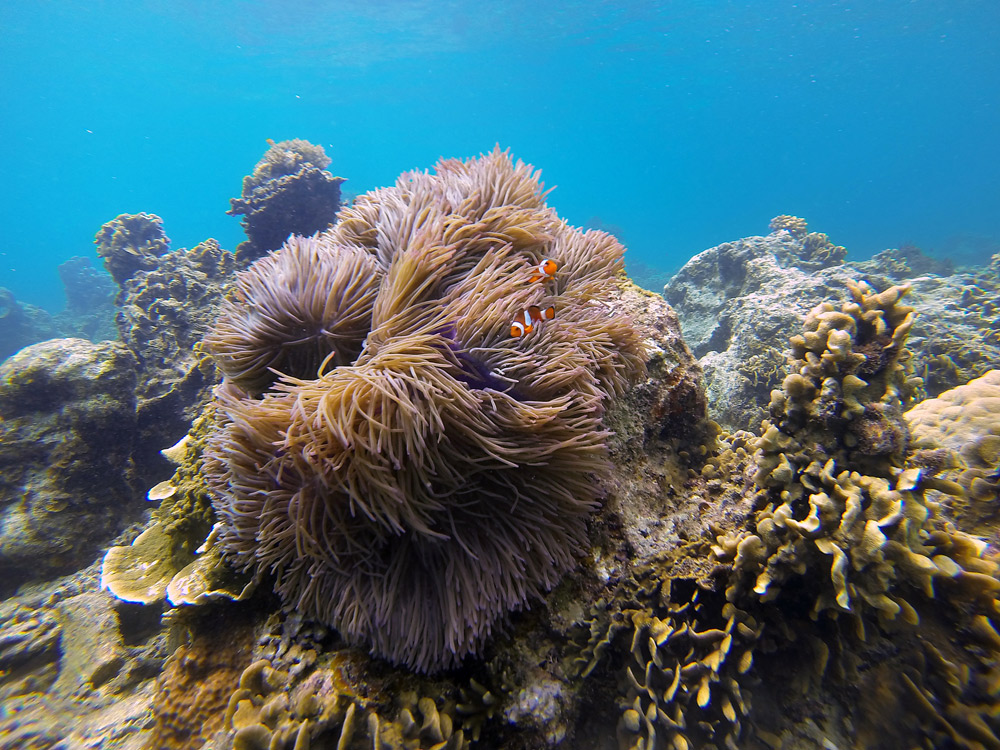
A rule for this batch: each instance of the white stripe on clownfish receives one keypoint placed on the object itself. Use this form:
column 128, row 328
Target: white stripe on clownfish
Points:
column 526, row 320
column 544, row 271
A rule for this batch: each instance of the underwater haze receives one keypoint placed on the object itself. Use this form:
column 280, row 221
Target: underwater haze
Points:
column 675, row 125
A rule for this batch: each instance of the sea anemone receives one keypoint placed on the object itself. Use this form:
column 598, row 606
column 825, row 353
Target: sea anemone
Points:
column 414, row 496
column 308, row 303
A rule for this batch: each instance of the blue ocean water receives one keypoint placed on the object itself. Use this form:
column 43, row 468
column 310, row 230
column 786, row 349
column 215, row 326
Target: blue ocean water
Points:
column 677, row 125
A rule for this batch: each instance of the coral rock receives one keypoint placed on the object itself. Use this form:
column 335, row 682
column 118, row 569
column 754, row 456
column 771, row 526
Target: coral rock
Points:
column 131, row 243
column 67, row 433
column 290, row 192
column 164, row 311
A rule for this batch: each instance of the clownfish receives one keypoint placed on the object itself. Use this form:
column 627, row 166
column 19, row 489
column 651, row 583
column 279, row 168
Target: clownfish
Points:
column 544, row 271
column 526, row 320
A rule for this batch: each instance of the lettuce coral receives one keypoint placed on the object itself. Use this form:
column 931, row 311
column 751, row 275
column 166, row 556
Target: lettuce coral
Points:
column 413, row 493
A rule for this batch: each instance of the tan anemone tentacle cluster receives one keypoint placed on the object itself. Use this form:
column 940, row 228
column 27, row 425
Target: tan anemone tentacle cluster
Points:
column 415, row 494
column 296, row 308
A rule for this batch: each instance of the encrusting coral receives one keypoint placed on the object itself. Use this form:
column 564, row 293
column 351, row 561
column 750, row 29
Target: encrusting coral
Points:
column 272, row 710
column 414, row 496
column 195, row 686
column 960, row 431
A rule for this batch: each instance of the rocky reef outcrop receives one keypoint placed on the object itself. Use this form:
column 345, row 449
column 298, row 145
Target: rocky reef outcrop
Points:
column 163, row 313
column 130, row 243
column 289, row 192
column 67, row 433
column 814, row 582
column 90, row 301
column 166, row 302
column 22, row 324
column 738, row 302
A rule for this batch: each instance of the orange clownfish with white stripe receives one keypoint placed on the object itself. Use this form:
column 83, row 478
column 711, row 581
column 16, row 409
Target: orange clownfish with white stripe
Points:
column 526, row 320
column 544, row 271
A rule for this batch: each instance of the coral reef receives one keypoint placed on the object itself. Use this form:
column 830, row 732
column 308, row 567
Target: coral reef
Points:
column 415, row 496
column 22, row 324
column 838, row 570
column 67, row 433
column 87, row 289
column 130, row 243
column 958, row 433
column 164, row 311
column 905, row 262
column 90, row 294
column 737, row 300
column 407, row 476
column 290, row 192
column 844, row 526
column 794, row 225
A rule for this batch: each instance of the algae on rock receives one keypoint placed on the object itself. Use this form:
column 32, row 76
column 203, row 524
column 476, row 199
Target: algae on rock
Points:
column 67, row 436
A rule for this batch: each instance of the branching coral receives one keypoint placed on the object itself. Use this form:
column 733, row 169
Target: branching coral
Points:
column 813, row 249
column 831, row 459
column 794, row 225
column 414, row 496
